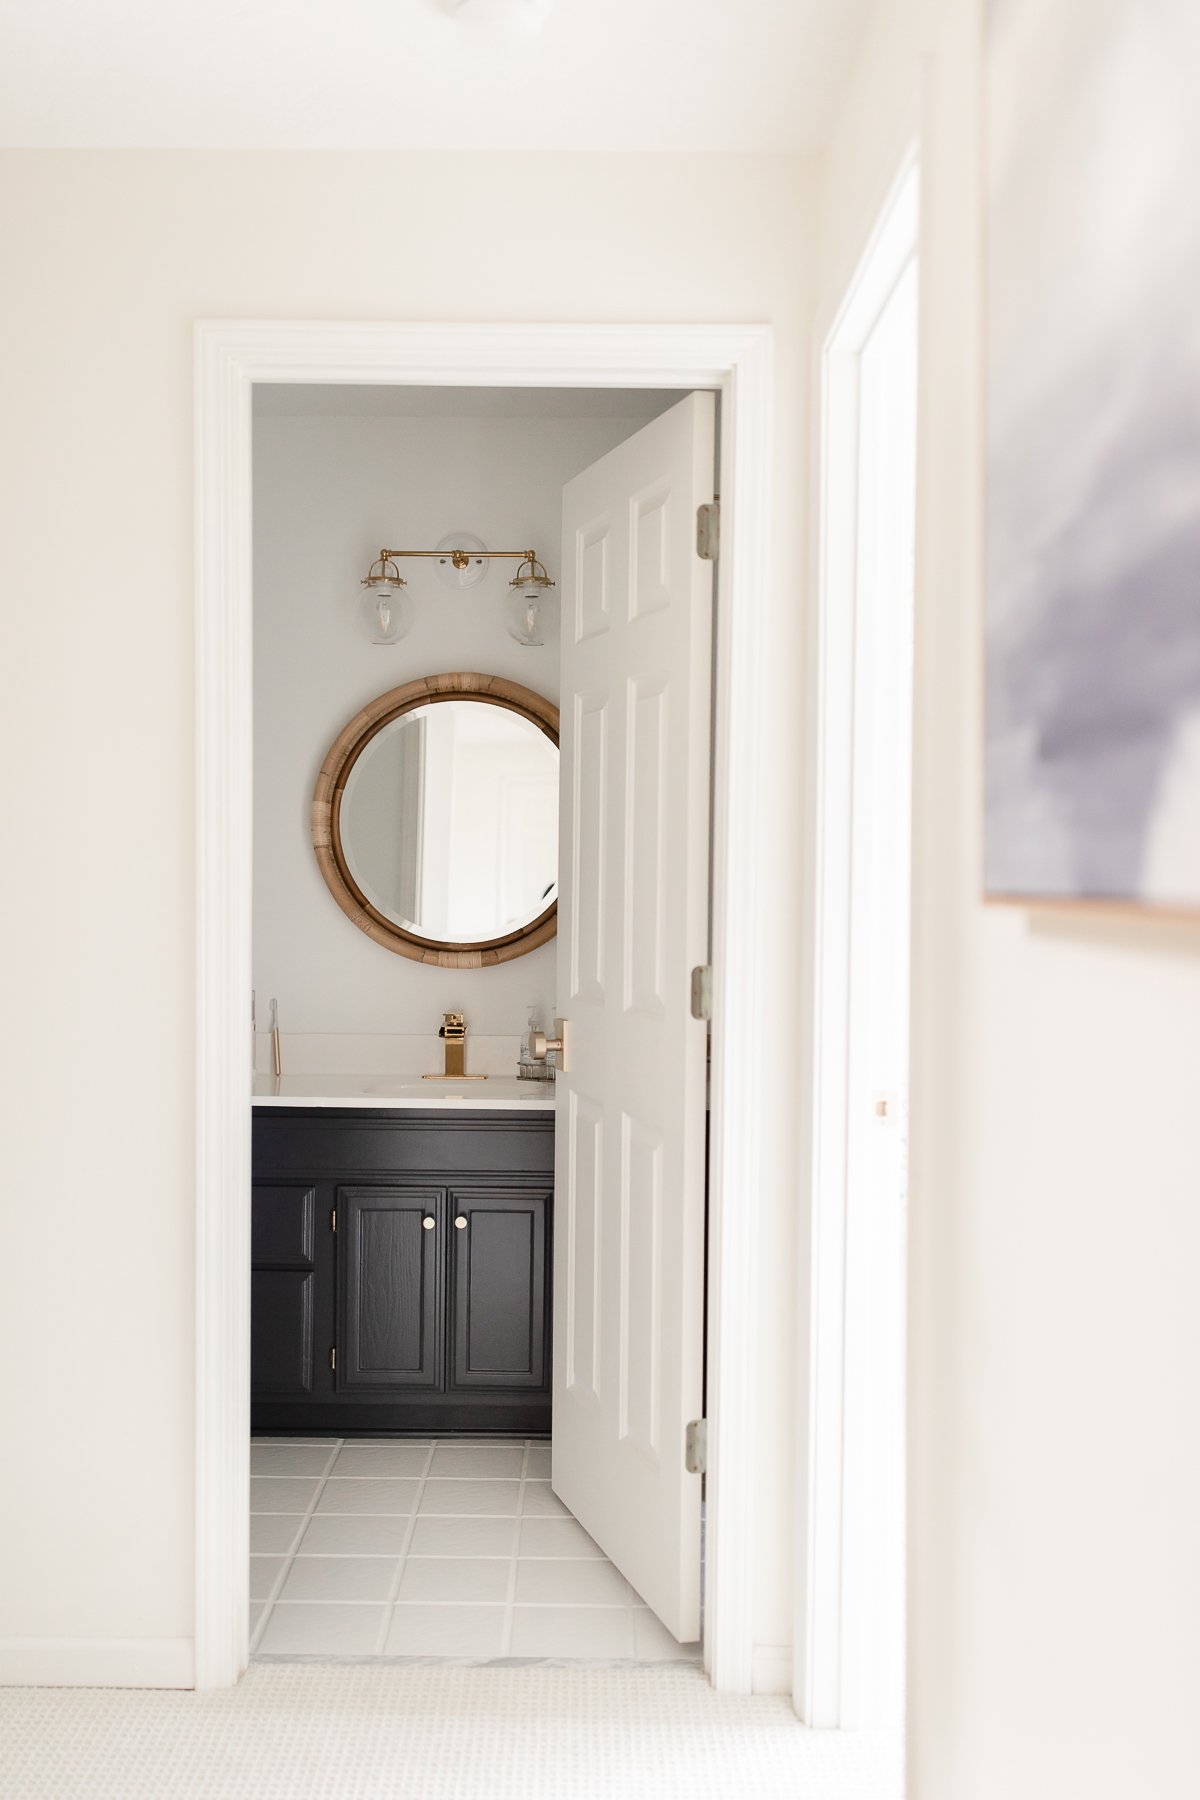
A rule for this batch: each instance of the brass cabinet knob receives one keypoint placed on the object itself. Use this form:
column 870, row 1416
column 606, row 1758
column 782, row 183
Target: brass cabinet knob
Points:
column 460, row 1224
column 428, row 1223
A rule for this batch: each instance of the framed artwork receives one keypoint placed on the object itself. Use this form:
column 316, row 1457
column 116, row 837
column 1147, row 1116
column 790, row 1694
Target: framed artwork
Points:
column 1092, row 614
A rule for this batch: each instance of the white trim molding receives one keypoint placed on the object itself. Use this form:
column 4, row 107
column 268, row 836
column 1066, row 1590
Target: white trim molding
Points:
column 772, row 1668
column 96, row 1662
column 817, row 1684
column 230, row 358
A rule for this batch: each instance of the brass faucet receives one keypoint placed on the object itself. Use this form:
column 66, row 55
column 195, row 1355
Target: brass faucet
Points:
column 453, row 1032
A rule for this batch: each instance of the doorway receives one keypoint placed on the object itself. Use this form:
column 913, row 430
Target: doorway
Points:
column 430, row 1288
column 734, row 360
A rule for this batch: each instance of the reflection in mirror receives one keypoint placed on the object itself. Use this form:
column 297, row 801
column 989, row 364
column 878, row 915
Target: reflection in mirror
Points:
column 449, row 821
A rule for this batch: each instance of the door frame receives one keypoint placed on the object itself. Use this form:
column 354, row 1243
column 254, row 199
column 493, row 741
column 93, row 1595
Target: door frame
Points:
column 230, row 357
column 891, row 246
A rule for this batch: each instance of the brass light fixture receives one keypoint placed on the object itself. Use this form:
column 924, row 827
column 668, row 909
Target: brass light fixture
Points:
column 385, row 610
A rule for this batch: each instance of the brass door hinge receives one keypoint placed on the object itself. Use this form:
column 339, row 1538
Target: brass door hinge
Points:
column 695, row 1447
column 332, row 1357
column 708, row 530
column 333, row 1219
column 702, row 992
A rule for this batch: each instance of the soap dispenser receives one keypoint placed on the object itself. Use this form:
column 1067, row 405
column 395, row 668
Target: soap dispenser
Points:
column 527, row 1069
column 534, row 1063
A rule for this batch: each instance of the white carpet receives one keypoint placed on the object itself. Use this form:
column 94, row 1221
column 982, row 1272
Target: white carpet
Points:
column 353, row 1732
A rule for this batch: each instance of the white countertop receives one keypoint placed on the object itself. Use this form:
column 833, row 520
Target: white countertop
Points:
column 496, row 1093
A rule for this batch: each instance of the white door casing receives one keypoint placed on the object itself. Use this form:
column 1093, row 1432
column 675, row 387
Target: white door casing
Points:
column 231, row 357
column 633, row 922
column 872, row 1631
column 850, row 1609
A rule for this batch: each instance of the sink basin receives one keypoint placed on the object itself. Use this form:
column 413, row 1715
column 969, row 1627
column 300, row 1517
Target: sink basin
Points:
column 496, row 1087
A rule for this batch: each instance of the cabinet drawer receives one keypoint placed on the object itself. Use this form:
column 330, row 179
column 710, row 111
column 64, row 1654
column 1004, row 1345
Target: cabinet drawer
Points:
column 292, row 1143
column 281, row 1333
column 498, row 1242
column 282, row 1218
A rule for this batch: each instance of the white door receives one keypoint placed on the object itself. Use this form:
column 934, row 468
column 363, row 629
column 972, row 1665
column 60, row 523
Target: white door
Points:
column 872, row 1675
column 633, row 922
column 850, row 1661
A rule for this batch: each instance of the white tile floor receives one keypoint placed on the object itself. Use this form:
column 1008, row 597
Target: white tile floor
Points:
column 437, row 1549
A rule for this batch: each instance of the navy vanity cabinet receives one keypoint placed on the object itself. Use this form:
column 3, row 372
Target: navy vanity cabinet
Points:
column 401, row 1271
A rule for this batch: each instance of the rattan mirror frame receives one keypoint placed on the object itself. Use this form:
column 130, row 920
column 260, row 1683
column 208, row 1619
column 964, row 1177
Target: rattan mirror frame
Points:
column 347, row 747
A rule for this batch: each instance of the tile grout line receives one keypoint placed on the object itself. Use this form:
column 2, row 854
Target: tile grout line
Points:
column 469, row 1600
column 427, row 1555
column 506, row 1629
column 269, row 1605
column 389, row 1611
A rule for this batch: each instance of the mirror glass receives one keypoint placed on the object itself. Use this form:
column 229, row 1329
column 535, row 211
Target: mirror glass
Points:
column 449, row 821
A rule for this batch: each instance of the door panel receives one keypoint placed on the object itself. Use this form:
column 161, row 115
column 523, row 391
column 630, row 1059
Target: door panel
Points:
column 646, row 847
column 641, row 1285
column 499, row 1299
column 283, row 1288
column 282, row 1224
column 633, row 921
column 281, row 1332
column 589, row 848
column 580, row 1244
column 389, row 1324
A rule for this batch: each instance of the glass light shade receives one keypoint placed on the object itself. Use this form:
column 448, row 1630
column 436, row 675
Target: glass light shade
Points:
column 531, row 613
column 476, row 568
column 385, row 611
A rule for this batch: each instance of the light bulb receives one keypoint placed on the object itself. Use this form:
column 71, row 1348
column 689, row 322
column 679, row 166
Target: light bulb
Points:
column 531, row 614
column 384, row 610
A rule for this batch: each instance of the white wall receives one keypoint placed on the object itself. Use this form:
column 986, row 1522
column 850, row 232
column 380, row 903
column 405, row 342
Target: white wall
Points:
column 110, row 257
column 329, row 492
column 1055, row 1227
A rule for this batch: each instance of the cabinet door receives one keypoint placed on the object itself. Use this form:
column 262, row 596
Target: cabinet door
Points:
column 390, row 1314
column 499, row 1288
column 282, row 1288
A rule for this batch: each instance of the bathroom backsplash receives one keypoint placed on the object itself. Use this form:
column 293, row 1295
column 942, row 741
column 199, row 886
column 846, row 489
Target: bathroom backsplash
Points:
column 382, row 1053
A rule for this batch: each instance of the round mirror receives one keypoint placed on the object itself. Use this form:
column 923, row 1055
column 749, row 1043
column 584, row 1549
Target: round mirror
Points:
column 435, row 820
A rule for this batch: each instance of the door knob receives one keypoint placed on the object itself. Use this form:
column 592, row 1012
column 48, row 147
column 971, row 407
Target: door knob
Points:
column 428, row 1223
column 539, row 1044
column 460, row 1224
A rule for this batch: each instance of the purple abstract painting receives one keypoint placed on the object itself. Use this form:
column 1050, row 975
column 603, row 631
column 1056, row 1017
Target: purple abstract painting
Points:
column 1093, row 452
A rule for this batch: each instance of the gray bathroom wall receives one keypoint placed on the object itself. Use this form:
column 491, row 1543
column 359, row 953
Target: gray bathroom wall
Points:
column 330, row 489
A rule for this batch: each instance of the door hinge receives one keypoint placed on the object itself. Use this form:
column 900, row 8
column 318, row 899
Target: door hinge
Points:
column 695, row 1447
column 333, row 1219
column 702, row 992
column 332, row 1357
column 708, row 530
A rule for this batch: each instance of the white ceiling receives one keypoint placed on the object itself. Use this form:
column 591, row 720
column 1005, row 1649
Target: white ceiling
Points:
column 279, row 400
column 730, row 75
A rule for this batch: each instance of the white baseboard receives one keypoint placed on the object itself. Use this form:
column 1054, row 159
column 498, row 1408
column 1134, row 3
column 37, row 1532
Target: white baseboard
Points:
column 771, row 1669
column 97, row 1662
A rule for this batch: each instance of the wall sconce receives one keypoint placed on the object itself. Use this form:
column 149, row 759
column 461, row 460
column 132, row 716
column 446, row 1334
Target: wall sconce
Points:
column 385, row 609
column 531, row 610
